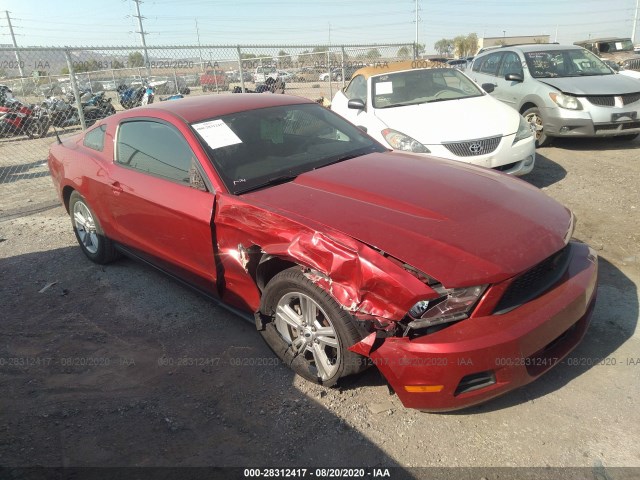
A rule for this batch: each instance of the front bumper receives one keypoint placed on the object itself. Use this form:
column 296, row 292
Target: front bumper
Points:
column 517, row 159
column 483, row 357
column 593, row 121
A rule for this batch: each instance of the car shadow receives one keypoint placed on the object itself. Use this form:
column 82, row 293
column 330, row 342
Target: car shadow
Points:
column 601, row 143
column 545, row 172
column 126, row 367
column 613, row 322
column 13, row 173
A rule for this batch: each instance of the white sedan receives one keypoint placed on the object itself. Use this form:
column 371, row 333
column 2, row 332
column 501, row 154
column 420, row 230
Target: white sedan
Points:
column 437, row 111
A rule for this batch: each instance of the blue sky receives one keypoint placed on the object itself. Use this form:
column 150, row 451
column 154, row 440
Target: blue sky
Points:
column 291, row 22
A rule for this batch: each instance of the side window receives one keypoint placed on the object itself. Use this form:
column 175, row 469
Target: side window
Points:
column 477, row 64
column 491, row 63
column 510, row 64
column 155, row 148
column 357, row 89
column 95, row 138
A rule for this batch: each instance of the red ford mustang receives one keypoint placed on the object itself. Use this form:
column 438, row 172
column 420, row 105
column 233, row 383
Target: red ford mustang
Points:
column 458, row 283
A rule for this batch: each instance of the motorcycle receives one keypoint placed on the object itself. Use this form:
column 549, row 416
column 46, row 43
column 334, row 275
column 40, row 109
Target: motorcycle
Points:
column 270, row 85
column 64, row 113
column 18, row 118
column 130, row 96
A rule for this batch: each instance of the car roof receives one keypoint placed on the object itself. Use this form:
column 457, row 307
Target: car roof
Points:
column 195, row 109
column 395, row 67
column 602, row 39
column 535, row 47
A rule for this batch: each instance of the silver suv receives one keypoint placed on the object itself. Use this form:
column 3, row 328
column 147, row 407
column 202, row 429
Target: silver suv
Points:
column 561, row 90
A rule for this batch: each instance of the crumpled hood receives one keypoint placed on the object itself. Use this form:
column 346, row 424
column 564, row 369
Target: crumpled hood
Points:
column 430, row 123
column 461, row 224
column 594, row 85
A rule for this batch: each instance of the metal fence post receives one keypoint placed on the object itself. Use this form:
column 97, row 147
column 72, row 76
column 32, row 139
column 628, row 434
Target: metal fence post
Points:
column 343, row 73
column 74, row 87
column 240, row 69
column 329, row 70
column 175, row 79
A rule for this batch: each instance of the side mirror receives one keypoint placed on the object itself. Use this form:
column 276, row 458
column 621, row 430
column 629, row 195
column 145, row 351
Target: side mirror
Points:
column 514, row 77
column 363, row 128
column 356, row 104
column 488, row 87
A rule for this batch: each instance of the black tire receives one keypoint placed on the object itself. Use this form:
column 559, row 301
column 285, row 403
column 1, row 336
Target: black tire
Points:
column 628, row 138
column 93, row 243
column 36, row 129
column 283, row 289
column 534, row 118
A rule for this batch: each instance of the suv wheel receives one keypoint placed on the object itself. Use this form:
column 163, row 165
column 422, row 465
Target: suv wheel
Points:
column 536, row 121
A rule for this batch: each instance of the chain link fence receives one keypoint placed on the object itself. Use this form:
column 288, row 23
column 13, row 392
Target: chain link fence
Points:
column 44, row 91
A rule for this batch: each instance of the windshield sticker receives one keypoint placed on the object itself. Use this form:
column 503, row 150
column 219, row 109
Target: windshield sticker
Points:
column 384, row 88
column 217, row 134
column 619, row 45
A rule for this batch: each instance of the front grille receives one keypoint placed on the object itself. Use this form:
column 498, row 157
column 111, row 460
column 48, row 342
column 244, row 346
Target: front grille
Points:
column 615, row 126
column 602, row 101
column 632, row 64
column 535, row 282
column 610, row 100
column 473, row 148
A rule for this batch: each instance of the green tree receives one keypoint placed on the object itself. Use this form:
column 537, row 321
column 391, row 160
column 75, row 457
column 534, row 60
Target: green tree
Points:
column 404, row 53
column 466, row 46
column 117, row 64
column 444, row 47
column 374, row 54
column 136, row 59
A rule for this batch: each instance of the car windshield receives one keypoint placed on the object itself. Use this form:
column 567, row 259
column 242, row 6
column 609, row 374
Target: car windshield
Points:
column 423, row 85
column 258, row 148
column 565, row 63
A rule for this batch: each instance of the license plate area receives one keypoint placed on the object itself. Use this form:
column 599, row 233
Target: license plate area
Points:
column 624, row 116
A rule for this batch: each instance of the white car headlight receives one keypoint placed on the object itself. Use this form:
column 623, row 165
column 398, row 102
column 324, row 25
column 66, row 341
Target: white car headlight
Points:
column 565, row 101
column 400, row 141
column 454, row 304
column 525, row 130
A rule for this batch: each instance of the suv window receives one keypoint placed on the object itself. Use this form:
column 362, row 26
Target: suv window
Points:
column 491, row 63
column 357, row 89
column 510, row 64
column 154, row 148
column 94, row 139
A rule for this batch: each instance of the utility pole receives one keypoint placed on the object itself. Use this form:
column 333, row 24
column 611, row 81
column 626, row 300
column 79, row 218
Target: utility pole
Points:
column 556, row 37
column 15, row 45
column 142, row 34
column 635, row 23
column 417, row 53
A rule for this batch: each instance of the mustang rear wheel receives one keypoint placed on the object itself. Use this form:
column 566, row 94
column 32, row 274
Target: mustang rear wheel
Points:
column 94, row 244
column 308, row 330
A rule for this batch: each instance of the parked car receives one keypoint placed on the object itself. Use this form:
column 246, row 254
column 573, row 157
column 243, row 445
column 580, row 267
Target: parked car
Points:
column 437, row 111
column 458, row 283
column 214, row 80
column 459, row 63
column 617, row 49
column 307, row 74
column 562, row 90
column 621, row 70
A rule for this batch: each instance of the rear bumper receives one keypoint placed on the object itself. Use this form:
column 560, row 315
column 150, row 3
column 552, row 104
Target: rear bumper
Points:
column 483, row 357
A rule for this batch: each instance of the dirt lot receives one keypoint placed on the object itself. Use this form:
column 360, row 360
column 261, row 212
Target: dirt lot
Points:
column 122, row 366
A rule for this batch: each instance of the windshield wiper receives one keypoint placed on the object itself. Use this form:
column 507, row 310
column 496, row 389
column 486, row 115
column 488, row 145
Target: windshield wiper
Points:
column 270, row 182
column 342, row 159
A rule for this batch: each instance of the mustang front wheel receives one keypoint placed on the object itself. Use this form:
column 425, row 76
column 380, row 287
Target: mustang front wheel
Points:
column 308, row 330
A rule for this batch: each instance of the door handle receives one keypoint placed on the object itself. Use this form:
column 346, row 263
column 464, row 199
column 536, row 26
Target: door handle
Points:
column 116, row 188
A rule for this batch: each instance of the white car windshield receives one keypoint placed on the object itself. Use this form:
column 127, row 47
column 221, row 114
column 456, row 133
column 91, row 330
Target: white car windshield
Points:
column 565, row 63
column 424, row 85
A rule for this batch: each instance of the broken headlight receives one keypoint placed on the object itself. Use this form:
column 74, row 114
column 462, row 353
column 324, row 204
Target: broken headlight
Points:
column 400, row 141
column 454, row 304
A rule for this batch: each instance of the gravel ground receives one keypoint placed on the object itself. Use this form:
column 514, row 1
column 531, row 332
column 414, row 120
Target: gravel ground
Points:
column 121, row 366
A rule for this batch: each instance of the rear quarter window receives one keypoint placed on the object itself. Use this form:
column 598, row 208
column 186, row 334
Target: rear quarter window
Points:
column 94, row 139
